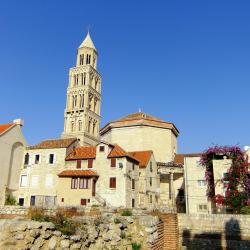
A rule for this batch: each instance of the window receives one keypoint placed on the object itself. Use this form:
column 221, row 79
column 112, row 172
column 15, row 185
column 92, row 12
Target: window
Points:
column 81, row 59
column 51, row 158
column 151, row 167
column 72, row 126
column 83, row 183
column 93, row 128
column 202, row 207
column 133, row 166
column 90, row 163
column 133, row 202
column 83, row 202
column 112, row 182
column 49, row 180
column 62, row 200
column 101, row 148
column 113, row 162
column 34, row 181
column 201, row 183
column 26, row 159
column 74, row 182
column 84, row 78
column 133, row 184
column 150, row 181
column 23, row 181
column 37, row 159
column 80, row 125
column 150, row 199
column 78, row 163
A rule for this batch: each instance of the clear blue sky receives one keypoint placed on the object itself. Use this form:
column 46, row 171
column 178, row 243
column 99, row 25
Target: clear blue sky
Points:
column 187, row 62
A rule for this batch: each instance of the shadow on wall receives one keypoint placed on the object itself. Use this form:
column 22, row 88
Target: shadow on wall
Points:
column 214, row 240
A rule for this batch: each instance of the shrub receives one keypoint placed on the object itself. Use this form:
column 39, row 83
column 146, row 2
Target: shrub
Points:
column 117, row 220
column 136, row 246
column 10, row 200
column 38, row 214
column 245, row 210
column 95, row 205
column 64, row 225
column 126, row 212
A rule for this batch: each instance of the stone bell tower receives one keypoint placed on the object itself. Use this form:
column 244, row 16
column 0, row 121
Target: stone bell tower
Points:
column 82, row 112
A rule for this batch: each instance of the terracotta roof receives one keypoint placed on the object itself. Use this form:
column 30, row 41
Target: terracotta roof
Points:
column 5, row 127
column 138, row 119
column 57, row 143
column 76, row 173
column 82, row 153
column 117, row 151
column 143, row 157
column 179, row 158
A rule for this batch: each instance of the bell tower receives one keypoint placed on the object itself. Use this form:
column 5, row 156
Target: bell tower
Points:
column 82, row 112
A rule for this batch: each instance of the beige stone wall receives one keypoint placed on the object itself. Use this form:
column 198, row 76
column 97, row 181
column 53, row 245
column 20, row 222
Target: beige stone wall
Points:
column 194, row 172
column 220, row 167
column 72, row 197
column 12, row 144
column 42, row 179
column 195, row 194
column 162, row 141
column 147, row 192
column 123, row 194
column 165, row 197
column 214, row 231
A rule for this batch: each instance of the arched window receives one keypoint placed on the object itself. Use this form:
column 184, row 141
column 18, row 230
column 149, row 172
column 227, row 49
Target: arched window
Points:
column 84, row 78
column 81, row 59
column 72, row 126
column 73, row 101
column 89, row 126
column 26, row 159
column 93, row 128
column 80, row 125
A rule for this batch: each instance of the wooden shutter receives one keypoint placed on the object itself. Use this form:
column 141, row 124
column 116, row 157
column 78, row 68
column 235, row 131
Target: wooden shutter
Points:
column 112, row 182
column 90, row 163
column 113, row 162
column 78, row 163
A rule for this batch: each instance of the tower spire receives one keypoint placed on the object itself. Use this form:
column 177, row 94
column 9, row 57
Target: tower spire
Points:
column 87, row 42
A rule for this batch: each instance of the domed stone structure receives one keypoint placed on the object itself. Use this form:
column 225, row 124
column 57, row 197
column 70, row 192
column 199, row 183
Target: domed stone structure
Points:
column 140, row 131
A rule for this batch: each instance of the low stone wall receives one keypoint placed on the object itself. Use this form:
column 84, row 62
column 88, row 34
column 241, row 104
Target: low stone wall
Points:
column 16, row 210
column 109, row 231
column 216, row 231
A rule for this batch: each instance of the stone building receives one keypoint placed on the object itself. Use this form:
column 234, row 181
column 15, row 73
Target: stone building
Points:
column 196, row 186
column 12, row 146
column 39, row 169
column 82, row 112
column 140, row 131
column 149, row 179
column 104, row 174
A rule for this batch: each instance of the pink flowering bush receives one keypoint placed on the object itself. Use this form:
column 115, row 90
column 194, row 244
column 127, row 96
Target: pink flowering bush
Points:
column 237, row 181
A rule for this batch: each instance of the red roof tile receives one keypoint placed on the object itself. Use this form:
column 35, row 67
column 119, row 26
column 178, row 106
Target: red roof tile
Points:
column 76, row 173
column 117, row 151
column 142, row 156
column 5, row 127
column 179, row 158
column 139, row 119
column 57, row 143
column 82, row 153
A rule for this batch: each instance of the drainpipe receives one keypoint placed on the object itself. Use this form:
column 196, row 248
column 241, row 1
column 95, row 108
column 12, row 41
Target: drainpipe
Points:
column 186, row 189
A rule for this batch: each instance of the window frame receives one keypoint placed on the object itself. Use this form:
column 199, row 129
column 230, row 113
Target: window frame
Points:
column 54, row 158
column 90, row 163
column 39, row 159
column 112, row 182
column 21, row 178
column 113, row 162
column 83, row 183
column 74, row 183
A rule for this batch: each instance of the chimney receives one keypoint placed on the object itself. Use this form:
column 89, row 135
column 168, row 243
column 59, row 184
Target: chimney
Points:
column 19, row 122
